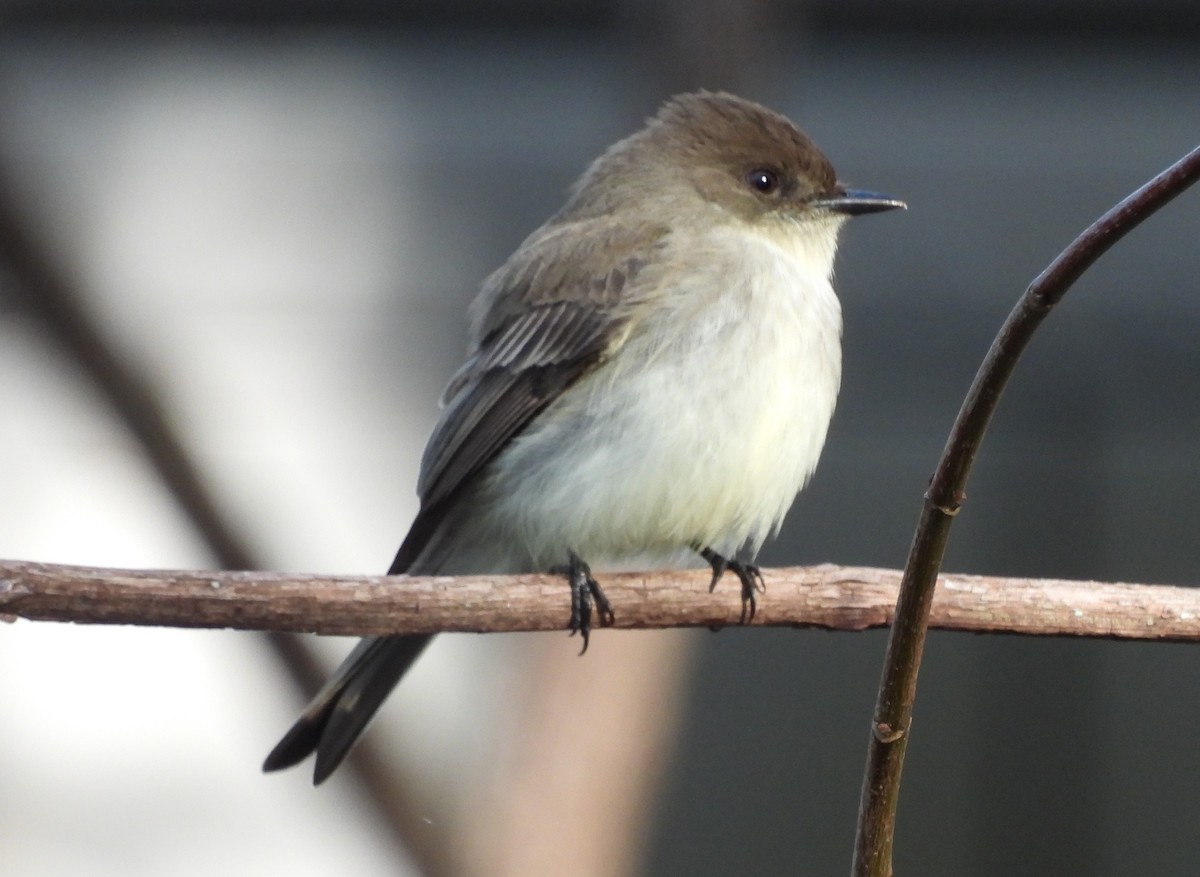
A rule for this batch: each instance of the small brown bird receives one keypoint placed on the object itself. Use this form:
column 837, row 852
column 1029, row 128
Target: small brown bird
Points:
column 650, row 375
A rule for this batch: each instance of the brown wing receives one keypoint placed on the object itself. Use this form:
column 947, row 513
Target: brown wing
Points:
column 555, row 310
column 538, row 355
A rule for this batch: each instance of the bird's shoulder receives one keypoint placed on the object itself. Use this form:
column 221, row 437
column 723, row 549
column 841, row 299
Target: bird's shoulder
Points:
column 551, row 313
column 590, row 264
column 563, row 297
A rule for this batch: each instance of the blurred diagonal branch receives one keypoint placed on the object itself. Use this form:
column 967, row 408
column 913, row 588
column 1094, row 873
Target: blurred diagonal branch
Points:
column 572, row 791
column 827, row 596
column 45, row 292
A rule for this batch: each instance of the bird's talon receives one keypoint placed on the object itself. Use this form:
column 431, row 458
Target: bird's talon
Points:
column 585, row 594
column 748, row 574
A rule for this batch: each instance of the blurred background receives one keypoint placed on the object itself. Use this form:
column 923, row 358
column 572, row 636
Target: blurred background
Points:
column 265, row 221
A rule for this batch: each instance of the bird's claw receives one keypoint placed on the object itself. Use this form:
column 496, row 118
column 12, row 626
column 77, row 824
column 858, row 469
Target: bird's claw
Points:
column 585, row 593
column 748, row 574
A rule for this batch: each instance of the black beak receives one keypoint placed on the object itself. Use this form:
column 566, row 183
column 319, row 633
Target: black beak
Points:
column 855, row 202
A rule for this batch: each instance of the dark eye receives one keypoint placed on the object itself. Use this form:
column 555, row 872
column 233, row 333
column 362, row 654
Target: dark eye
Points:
column 763, row 180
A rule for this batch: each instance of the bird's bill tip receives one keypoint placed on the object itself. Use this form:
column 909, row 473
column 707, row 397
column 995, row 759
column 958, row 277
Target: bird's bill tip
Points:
column 855, row 202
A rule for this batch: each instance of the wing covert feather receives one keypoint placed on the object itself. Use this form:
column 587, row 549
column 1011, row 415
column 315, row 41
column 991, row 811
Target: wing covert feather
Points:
column 554, row 311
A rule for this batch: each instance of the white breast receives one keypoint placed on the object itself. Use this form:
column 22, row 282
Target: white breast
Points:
column 703, row 427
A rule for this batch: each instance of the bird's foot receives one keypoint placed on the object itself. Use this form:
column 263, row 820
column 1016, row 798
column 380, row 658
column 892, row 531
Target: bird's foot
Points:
column 585, row 593
column 748, row 574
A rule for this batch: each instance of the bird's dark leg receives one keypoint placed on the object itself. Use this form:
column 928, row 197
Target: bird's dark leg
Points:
column 585, row 592
column 748, row 574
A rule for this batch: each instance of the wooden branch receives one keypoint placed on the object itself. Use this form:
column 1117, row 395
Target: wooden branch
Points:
column 47, row 293
column 947, row 490
column 826, row 596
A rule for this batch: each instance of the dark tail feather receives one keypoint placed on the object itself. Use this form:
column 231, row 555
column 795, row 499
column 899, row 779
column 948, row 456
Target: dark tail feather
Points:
column 341, row 710
column 346, row 703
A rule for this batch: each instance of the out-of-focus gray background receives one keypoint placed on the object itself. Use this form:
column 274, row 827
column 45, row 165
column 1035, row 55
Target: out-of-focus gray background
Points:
column 279, row 211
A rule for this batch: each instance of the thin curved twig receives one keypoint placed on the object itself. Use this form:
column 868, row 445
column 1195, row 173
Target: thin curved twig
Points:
column 898, row 686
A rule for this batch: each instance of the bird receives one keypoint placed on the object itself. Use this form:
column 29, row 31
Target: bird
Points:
column 650, row 377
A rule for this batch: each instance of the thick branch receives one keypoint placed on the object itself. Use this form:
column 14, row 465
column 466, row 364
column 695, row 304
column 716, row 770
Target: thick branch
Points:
column 827, row 596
